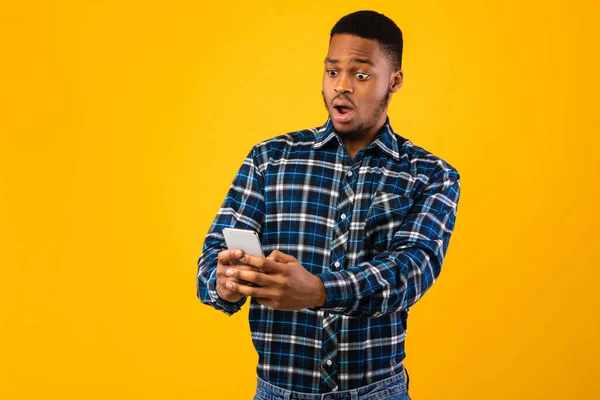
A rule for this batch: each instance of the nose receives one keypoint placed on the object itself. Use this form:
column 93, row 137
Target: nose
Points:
column 344, row 84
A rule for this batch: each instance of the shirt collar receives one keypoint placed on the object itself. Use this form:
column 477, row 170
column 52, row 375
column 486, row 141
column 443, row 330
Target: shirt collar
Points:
column 386, row 139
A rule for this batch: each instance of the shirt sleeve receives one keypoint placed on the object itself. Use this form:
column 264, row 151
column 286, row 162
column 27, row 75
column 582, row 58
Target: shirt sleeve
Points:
column 395, row 279
column 243, row 208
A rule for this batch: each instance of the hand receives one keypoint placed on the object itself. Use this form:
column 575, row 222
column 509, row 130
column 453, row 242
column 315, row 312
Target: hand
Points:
column 227, row 260
column 286, row 284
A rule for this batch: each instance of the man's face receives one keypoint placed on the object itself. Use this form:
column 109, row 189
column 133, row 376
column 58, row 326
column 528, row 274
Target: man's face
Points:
column 357, row 83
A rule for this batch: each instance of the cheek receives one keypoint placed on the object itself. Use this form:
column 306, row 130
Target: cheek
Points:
column 373, row 95
column 327, row 89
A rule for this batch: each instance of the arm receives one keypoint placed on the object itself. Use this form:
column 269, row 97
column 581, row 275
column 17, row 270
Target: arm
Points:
column 243, row 208
column 394, row 280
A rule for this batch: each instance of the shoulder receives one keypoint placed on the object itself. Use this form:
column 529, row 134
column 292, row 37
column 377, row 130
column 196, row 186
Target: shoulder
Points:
column 426, row 166
column 282, row 145
column 292, row 139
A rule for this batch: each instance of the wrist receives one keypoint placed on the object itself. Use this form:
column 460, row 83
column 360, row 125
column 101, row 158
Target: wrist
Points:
column 321, row 295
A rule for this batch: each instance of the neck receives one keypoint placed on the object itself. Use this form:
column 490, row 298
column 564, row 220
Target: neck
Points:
column 357, row 141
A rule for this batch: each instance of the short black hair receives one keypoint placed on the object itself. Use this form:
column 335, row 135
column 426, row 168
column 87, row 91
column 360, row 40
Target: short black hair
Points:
column 376, row 26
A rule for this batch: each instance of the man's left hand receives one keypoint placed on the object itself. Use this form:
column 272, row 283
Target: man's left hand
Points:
column 284, row 283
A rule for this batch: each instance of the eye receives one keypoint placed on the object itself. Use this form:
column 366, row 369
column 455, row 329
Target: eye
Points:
column 332, row 73
column 362, row 76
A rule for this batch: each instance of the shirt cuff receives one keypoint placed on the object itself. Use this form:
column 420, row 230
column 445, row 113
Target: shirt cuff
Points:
column 339, row 290
column 227, row 307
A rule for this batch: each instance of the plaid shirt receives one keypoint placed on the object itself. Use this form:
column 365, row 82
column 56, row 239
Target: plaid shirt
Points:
column 374, row 229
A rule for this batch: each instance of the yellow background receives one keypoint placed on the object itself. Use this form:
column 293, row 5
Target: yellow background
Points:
column 123, row 123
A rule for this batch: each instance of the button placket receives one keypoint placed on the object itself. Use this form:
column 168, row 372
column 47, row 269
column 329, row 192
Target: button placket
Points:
column 338, row 253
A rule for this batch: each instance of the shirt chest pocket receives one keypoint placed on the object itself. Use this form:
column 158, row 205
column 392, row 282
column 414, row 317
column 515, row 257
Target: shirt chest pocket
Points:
column 385, row 216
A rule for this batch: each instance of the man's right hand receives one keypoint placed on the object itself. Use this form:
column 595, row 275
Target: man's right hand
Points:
column 226, row 260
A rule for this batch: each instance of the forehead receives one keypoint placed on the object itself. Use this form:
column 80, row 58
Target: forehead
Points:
column 345, row 48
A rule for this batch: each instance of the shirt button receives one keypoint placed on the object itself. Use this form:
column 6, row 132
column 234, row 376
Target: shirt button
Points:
column 349, row 173
column 343, row 216
column 329, row 362
column 337, row 264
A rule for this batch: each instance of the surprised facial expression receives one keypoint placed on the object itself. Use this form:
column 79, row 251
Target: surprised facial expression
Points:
column 357, row 83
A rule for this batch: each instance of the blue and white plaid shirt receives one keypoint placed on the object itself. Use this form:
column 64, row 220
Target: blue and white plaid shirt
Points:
column 375, row 229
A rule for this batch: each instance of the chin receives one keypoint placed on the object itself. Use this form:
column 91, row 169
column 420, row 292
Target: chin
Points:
column 345, row 129
column 342, row 128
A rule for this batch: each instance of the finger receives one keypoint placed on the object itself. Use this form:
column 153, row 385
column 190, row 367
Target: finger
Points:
column 251, row 291
column 227, row 294
column 254, row 277
column 265, row 264
column 225, row 270
column 240, row 281
column 243, row 267
column 280, row 256
column 240, row 267
column 223, row 256
column 226, row 256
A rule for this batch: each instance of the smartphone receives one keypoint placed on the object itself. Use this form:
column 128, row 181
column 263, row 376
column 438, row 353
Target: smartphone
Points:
column 245, row 240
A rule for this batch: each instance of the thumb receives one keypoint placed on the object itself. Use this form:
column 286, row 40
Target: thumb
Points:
column 279, row 256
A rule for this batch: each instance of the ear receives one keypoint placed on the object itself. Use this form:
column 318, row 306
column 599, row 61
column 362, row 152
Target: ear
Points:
column 396, row 81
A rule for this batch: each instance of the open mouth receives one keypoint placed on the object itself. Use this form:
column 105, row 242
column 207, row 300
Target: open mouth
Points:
column 342, row 113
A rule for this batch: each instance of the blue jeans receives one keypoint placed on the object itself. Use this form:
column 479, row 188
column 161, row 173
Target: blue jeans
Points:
column 393, row 388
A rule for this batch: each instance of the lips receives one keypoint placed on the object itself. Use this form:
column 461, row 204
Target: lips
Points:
column 343, row 110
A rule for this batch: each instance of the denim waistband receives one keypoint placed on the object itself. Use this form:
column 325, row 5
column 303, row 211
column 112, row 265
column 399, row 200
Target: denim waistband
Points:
column 377, row 390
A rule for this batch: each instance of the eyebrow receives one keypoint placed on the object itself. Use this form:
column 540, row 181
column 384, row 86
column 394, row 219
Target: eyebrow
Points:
column 357, row 60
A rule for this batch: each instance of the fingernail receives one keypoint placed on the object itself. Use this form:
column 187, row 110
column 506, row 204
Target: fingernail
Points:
column 229, row 272
column 229, row 285
column 238, row 253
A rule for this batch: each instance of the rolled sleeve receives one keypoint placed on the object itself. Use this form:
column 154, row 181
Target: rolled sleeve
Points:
column 242, row 208
column 397, row 278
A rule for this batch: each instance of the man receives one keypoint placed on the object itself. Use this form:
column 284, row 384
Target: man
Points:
column 356, row 221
